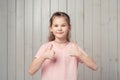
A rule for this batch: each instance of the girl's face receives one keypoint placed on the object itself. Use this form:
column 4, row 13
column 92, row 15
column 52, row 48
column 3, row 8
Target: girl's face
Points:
column 60, row 28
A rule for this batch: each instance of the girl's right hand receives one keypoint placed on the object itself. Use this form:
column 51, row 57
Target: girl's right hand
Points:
column 49, row 53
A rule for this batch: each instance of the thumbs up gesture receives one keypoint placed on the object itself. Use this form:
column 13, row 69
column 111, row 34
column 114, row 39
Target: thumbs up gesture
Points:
column 49, row 53
column 74, row 50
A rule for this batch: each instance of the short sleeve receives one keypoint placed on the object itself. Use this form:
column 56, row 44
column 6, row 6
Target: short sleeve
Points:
column 41, row 50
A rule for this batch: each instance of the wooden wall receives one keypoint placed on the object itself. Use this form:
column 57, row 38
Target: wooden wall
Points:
column 24, row 27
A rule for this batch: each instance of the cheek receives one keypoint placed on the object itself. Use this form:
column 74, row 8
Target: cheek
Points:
column 66, row 32
column 53, row 29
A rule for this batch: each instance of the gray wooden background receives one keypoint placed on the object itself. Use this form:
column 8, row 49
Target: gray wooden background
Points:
column 24, row 27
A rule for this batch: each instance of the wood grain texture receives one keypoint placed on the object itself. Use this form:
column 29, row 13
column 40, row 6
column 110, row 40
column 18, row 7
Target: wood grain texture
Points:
column 3, row 40
column 24, row 27
column 11, row 40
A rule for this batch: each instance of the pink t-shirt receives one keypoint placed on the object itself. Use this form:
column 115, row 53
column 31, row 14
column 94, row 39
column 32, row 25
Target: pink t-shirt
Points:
column 63, row 66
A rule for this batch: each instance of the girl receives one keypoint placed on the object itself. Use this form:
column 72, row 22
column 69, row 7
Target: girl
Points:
column 59, row 57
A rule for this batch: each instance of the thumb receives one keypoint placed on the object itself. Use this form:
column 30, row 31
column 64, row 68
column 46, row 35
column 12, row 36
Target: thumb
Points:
column 75, row 46
column 75, row 43
column 50, row 47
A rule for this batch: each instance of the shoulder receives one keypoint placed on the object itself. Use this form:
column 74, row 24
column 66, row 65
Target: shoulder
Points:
column 73, row 43
column 45, row 45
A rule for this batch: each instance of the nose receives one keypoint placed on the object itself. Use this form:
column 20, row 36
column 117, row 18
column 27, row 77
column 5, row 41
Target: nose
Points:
column 59, row 28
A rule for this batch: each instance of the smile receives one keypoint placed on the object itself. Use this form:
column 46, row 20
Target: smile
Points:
column 60, row 32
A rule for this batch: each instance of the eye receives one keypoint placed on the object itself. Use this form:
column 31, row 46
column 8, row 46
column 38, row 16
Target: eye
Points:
column 63, row 25
column 55, row 25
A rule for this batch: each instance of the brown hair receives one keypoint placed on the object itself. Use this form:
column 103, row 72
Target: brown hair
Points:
column 59, row 14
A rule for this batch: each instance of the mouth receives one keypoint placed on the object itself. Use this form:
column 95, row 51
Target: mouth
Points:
column 60, row 32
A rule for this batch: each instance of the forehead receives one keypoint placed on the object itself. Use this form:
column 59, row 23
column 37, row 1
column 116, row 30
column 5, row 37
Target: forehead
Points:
column 59, row 19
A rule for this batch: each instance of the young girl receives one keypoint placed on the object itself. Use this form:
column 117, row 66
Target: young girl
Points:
column 59, row 58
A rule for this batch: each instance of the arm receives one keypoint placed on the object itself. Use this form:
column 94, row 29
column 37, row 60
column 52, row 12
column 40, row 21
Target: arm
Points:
column 81, row 56
column 88, row 61
column 36, row 64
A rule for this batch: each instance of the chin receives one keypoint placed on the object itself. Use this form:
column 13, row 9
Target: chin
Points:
column 60, row 37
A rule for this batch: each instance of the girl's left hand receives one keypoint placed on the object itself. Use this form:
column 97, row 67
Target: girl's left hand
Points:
column 74, row 50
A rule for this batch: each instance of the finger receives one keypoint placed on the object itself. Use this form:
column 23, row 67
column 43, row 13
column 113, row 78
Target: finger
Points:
column 71, row 54
column 50, row 47
column 53, row 53
column 75, row 43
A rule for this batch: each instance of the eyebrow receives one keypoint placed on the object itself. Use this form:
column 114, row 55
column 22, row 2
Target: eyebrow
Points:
column 62, row 23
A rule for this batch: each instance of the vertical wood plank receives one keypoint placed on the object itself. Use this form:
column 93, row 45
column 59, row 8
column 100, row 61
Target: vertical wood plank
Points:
column 101, row 41
column 71, row 12
column 37, row 25
column 53, row 6
column 45, row 20
column 112, row 40
column 37, row 31
column 104, row 40
column 88, row 29
column 11, row 40
column 28, row 37
column 20, row 39
column 3, row 40
column 118, row 35
column 62, row 5
column 96, row 38
column 79, row 33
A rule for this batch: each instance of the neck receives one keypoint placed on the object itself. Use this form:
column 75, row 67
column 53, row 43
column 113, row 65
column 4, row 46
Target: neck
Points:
column 60, row 40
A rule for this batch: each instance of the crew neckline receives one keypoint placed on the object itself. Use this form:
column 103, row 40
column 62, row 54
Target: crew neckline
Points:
column 57, row 45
